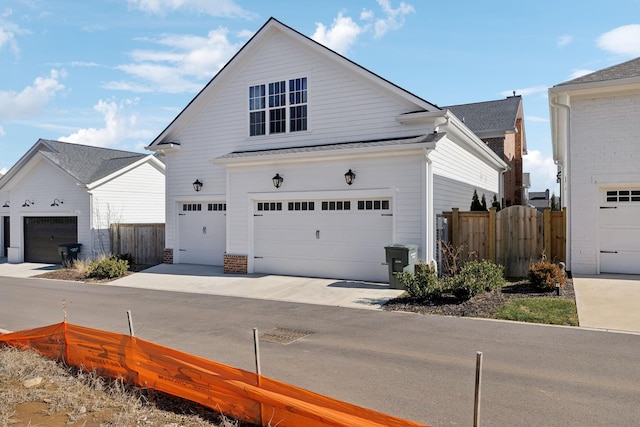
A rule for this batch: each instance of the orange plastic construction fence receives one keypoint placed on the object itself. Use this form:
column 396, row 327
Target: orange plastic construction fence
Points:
column 243, row 395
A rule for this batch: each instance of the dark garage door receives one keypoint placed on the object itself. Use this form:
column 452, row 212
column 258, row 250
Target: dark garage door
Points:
column 42, row 235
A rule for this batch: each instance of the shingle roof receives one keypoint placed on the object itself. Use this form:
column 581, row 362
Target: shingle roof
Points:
column 337, row 146
column 489, row 115
column 86, row 163
column 616, row 72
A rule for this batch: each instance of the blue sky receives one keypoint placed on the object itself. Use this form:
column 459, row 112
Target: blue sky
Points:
column 114, row 73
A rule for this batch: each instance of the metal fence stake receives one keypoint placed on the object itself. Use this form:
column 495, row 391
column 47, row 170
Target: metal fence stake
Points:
column 130, row 318
column 476, row 406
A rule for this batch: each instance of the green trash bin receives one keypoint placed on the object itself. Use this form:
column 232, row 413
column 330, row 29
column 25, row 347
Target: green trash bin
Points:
column 69, row 252
column 400, row 259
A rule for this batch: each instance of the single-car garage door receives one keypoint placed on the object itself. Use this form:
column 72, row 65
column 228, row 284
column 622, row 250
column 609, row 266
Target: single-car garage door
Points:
column 620, row 231
column 342, row 239
column 202, row 233
column 42, row 235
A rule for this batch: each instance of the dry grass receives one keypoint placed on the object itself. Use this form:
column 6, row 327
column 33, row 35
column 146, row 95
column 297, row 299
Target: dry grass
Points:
column 62, row 396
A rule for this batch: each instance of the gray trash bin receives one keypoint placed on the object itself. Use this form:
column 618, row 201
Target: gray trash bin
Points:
column 400, row 259
column 69, row 251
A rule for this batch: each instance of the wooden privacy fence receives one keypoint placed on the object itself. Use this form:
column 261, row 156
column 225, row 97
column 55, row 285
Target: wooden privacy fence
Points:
column 145, row 242
column 514, row 237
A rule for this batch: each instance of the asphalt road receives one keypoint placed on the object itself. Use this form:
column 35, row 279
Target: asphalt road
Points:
column 417, row 367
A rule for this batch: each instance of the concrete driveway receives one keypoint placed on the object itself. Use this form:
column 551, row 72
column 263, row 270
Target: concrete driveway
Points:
column 204, row 279
column 608, row 301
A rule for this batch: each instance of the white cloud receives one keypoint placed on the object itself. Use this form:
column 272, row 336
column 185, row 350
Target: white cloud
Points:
column 536, row 119
column 526, row 91
column 564, row 40
column 341, row 36
column 2, row 132
column 623, row 40
column 181, row 67
column 4, row 170
column 542, row 170
column 579, row 73
column 394, row 18
column 32, row 99
column 118, row 126
column 219, row 8
column 8, row 31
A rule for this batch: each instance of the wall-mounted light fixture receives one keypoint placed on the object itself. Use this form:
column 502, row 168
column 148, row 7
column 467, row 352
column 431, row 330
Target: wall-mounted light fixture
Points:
column 349, row 177
column 28, row 203
column 57, row 202
column 197, row 185
column 6, row 204
column 277, row 180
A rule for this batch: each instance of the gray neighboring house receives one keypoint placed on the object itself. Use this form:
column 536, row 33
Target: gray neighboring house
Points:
column 500, row 125
column 60, row 193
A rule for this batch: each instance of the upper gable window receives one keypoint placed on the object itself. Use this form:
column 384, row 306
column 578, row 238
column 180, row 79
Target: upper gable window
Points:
column 285, row 111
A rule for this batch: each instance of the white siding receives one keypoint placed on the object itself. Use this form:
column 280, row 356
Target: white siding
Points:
column 342, row 107
column 604, row 151
column 457, row 172
column 395, row 177
column 137, row 196
column 41, row 183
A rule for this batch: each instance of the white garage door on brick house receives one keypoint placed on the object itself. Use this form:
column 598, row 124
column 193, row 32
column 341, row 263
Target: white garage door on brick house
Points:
column 619, row 230
column 202, row 232
column 337, row 238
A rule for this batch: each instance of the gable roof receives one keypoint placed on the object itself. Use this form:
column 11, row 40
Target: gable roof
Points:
column 87, row 164
column 270, row 26
column 625, row 70
column 490, row 116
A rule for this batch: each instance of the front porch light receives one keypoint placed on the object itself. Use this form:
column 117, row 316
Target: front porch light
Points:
column 277, row 180
column 197, row 185
column 349, row 177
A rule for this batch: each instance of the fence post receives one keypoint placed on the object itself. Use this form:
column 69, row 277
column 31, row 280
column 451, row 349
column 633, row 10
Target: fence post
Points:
column 476, row 405
column 491, row 237
column 454, row 226
column 547, row 234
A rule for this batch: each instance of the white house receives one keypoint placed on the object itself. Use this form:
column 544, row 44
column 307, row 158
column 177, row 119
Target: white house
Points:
column 310, row 165
column 595, row 123
column 60, row 193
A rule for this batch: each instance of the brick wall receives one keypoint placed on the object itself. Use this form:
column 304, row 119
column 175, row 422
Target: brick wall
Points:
column 604, row 152
column 235, row 264
column 167, row 256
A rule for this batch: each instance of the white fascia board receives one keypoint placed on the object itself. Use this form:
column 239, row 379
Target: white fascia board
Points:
column 150, row 158
column 314, row 156
column 466, row 136
column 598, row 88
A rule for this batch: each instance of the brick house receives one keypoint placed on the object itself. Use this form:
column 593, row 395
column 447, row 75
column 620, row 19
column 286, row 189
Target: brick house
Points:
column 500, row 124
column 595, row 124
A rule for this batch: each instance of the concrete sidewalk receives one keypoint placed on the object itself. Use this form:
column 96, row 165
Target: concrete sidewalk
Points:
column 204, row 279
column 608, row 301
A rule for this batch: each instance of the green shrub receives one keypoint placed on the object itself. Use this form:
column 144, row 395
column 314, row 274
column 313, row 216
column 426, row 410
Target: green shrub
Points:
column 545, row 275
column 126, row 257
column 423, row 283
column 476, row 277
column 108, row 268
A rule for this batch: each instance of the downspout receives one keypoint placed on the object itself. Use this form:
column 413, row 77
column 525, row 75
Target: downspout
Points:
column 429, row 243
column 565, row 178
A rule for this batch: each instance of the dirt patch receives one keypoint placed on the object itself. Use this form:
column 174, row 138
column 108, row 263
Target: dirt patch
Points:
column 484, row 305
column 63, row 396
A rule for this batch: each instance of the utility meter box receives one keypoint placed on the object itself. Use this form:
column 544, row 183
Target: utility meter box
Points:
column 400, row 259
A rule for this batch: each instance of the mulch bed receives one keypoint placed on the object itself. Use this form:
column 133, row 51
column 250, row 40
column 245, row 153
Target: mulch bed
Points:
column 484, row 305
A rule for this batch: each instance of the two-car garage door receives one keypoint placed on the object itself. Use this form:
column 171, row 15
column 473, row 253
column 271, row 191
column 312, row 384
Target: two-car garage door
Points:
column 323, row 238
column 620, row 231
